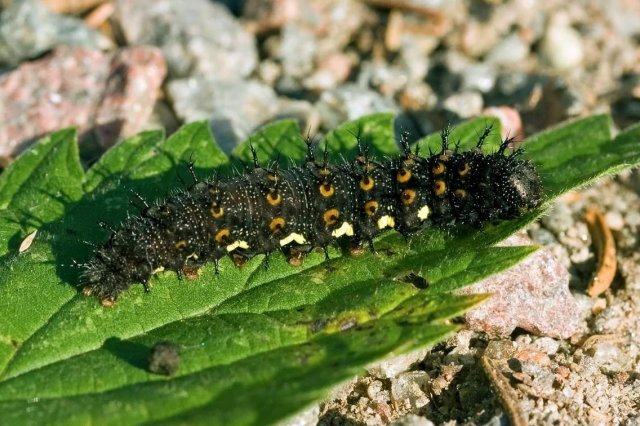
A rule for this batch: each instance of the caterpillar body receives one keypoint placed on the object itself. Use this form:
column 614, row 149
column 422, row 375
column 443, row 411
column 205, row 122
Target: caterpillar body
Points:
column 312, row 206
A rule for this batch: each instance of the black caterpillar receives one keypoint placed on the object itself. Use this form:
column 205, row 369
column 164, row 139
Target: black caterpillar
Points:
column 312, row 206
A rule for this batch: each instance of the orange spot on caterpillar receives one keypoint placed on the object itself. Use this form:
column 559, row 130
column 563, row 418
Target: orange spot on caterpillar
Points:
column 331, row 216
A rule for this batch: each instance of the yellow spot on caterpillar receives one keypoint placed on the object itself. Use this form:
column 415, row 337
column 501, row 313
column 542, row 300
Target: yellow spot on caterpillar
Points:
column 460, row 193
column 345, row 229
column 370, row 207
column 181, row 245
column 367, row 183
column 408, row 196
column 277, row 224
column 327, row 190
column 325, row 171
column 386, row 221
column 439, row 168
column 331, row 216
column 298, row 238
column 217, row 211
column 464, row 170
column 403, row 175
column 237, row 244
column 222, row 235
column 274, row 198
column 193, row 256
column 424, row 212
column 440, row 187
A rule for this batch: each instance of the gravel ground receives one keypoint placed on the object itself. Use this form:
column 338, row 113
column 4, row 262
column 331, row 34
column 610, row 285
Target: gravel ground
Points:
column 240, row 64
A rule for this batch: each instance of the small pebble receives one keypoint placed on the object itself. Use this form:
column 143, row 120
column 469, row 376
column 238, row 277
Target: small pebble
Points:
column 297, row 51
column 614, row 220
column 396, row 365
column 233, row 107
column 464, row 104
column 510, row 50
column 413, row 420
column 349, row 102
column 559, row 219
column 417, row 96
column 608, row 356
column 409, row 386
column 510, row 121
column 480, row 77
column 632, row 218
column 547, row 345
column 533, row 356
column 562, row 47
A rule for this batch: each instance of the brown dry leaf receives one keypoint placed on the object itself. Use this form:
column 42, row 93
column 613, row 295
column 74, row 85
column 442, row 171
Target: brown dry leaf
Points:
column 605, row 248
column 99, row 16
column 73, row 7
column 506, row 393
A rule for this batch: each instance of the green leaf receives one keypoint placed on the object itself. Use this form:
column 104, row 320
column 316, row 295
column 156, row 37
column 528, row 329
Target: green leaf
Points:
column 375, row 133
column 257, row 345
column 465, row 136
column 280, row 140
column 575, row 154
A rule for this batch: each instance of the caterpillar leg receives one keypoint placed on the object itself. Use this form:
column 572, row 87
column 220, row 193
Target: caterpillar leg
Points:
column 327, row 259
column 297, row 254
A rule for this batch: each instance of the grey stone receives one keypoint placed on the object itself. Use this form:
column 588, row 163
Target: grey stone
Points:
column 481, row 77
column 516, row 84
column 409, row 385
column 297, row 51
column 348, row 102
column 413, row 420
column 303, row 111
column 562, row 46
column 559, row 219
column 28, row 28
column 233, row 108
column 547, row 345
column 197, row 37
column 415, row 54
column 542, row 235
column 396, row 365
column 510, row 50
column 609, row 357
column 464, row 104
column 387, row 79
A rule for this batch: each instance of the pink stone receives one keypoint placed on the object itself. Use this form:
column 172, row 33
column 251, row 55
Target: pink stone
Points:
column 108, row 96
column 510, row 121
column 533, row 295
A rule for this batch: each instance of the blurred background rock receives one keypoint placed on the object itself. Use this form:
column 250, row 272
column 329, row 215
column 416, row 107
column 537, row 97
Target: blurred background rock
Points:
column 115, row 67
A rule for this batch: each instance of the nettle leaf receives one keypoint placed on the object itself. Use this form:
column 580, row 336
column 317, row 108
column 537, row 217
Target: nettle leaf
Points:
column 257, row 345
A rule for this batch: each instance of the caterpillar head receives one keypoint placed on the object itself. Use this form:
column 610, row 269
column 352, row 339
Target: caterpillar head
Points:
column 518, row 187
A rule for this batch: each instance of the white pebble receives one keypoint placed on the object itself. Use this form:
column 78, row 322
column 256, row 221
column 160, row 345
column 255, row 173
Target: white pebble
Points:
column 562, row 47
